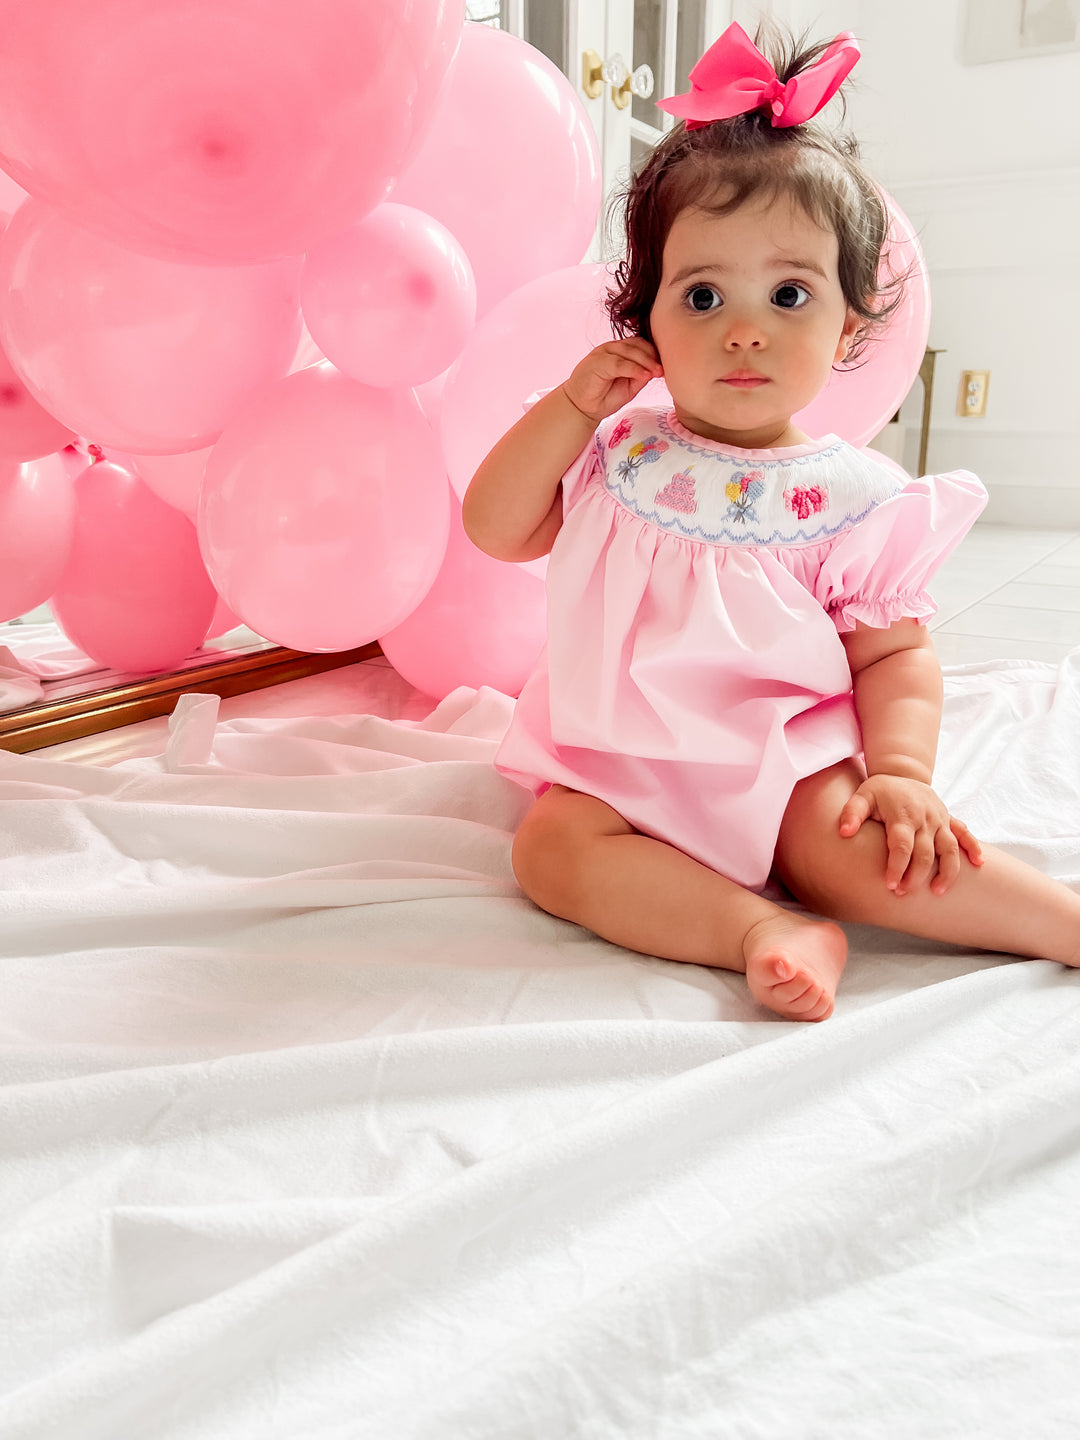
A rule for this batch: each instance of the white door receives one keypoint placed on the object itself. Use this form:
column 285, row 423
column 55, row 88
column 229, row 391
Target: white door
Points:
column 647, row 47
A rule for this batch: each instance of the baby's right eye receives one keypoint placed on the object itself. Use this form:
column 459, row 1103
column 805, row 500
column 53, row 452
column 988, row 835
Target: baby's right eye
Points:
column 703, row 297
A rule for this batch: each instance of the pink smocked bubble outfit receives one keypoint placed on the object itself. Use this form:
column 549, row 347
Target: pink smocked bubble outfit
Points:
column 693, row 671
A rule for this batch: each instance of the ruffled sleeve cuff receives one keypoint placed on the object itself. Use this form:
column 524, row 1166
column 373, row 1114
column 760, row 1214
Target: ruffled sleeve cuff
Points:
column 877, row 571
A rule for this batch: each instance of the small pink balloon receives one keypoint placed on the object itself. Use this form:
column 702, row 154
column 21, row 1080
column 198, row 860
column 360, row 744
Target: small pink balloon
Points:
column 176, row 478
column 139, row 354
column 482, row 623
column 226, row 131
column 37, row 521
column 391, row 300
column 134, row 594
column 324, row 514
column 27, row 430
column 529, row 342
column 858, row 402
column 510, row 165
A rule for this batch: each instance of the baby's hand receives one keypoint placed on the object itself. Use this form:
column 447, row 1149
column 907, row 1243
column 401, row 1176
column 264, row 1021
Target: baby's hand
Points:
column 921, row 834
column 611, row 375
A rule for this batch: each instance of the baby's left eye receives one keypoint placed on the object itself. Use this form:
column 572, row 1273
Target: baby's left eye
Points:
column 791, row 296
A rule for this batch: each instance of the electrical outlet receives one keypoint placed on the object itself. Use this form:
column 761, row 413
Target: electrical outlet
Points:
column 973, row 387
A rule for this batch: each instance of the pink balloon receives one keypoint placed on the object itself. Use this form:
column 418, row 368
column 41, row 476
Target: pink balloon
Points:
column 482, row 623
column 324, row 514
column 510, row 165
column 27, row 430
column 176, row 478
column 857, row 403
column 134, row 594
column 529, row 342
column 391, row 300
column 227, row 131
column 37, row 521
column 140, row 354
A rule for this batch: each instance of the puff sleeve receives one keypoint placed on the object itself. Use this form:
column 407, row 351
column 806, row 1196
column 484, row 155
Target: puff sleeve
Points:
column 877, row 571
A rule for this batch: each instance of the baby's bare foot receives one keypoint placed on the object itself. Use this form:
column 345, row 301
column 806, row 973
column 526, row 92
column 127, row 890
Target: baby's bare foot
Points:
column 793, row 964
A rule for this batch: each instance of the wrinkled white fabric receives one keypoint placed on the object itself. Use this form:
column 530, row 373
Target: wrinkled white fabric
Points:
column 311, row 1125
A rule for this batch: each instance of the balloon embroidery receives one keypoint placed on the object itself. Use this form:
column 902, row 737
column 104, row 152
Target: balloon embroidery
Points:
column 643, row 453
column 742, row 492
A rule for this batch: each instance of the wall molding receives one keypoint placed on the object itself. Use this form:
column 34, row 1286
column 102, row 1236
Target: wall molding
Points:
column 955, row 192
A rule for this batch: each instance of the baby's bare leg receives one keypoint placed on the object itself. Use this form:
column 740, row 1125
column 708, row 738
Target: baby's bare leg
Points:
column 577, row 858
column 1002, row 905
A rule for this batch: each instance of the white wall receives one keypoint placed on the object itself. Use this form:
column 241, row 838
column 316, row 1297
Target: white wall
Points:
column 985, row 161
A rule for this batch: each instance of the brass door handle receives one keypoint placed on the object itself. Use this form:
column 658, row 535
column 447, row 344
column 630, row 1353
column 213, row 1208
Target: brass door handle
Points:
column 596, row 73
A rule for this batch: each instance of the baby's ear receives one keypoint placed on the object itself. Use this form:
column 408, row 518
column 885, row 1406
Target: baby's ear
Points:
column 847, row 337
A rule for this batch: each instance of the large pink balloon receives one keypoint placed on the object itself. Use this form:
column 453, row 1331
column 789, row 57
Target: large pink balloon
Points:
column 37, row 518
column 324, row 514
column 510, row 165
column 229, row 131
column 858, row 402
column 529, row 342
column 27, row 430
column 391, row 300
column 139, row 354
column 482, row 623
column 134, row 594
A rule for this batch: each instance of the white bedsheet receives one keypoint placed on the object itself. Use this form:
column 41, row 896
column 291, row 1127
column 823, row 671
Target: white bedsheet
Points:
column 311, row 1125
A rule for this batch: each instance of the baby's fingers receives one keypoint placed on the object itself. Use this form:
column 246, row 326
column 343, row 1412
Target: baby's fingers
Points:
column 968, row 843
column 901, row 842
column 921, row 866
column 948, row 862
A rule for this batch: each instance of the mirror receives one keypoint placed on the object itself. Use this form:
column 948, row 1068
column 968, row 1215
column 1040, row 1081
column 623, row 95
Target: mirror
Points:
column 50, row 691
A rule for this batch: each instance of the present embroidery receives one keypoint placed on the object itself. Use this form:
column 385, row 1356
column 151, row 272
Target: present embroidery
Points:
column 806, row 500
column 678, row 493
column 643, row 453
column 619, row 434
column 742, row 492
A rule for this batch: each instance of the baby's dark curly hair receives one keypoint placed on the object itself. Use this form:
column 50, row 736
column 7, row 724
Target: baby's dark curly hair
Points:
column 718, row 167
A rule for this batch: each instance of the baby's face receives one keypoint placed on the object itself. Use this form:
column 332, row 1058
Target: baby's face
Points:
column 755, row 293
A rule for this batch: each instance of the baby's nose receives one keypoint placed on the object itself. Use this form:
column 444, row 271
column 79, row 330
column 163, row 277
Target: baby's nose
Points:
column 743, row 333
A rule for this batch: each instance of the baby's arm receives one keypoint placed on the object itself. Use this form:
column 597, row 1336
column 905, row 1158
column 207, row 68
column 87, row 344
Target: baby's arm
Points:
column 513, row 507
column 896, row 680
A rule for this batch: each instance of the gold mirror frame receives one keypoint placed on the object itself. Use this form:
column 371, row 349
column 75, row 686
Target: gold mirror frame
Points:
column 50, row 722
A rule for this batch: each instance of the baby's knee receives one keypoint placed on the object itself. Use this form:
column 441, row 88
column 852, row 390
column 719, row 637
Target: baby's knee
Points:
column 831, row 873
column 541, row 857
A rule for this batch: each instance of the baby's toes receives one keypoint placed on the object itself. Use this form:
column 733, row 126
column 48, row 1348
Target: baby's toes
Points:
column 801, row 996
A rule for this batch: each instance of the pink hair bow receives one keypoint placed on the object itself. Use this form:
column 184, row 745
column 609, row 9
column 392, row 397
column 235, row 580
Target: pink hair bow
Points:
column 734, row 77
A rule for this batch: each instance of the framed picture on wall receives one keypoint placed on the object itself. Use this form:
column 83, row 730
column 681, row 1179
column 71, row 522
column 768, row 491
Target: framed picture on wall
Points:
column 1016, row 29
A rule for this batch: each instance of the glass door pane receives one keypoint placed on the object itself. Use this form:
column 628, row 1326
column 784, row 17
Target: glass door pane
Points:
column 545, row 28
column 649, row 50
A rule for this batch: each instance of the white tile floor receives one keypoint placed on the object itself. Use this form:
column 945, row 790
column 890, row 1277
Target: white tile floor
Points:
column 1006, row 593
